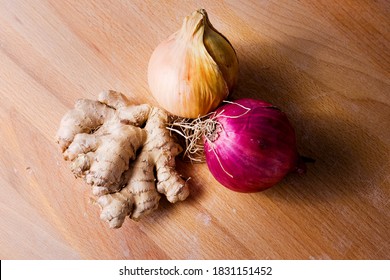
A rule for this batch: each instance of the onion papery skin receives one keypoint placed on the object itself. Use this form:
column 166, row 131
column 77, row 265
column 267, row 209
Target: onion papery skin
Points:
column 194, row 70
column 254, row 149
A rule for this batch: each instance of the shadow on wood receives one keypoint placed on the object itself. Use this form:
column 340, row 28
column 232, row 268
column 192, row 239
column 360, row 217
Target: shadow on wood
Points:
column 346, row 161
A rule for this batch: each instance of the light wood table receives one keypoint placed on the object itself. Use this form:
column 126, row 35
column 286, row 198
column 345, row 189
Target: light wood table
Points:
column 325, row 63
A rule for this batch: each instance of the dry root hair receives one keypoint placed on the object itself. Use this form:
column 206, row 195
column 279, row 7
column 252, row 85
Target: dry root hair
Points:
column 196, row 131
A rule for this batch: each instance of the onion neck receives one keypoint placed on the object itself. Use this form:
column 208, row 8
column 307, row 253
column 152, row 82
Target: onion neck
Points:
column 192, row 24
column 301, row 164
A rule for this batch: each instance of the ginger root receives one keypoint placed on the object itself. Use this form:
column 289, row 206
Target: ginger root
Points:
column 119, row 149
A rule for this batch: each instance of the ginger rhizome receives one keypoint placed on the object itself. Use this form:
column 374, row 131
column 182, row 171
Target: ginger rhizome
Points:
column 125, row 152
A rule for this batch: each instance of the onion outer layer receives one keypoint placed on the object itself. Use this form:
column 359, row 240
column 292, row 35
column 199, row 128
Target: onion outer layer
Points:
column 194, row 69
column 253, row 147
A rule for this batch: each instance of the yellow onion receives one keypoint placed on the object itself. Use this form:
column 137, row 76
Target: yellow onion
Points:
column 194, row 70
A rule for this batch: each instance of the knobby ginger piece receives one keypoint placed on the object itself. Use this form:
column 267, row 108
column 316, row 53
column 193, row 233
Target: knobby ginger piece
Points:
column 119, row 148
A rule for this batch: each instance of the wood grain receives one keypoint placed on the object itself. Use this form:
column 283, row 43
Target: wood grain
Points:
column 325, row 63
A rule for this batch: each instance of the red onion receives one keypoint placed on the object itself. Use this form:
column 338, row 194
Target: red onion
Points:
column 251, row 146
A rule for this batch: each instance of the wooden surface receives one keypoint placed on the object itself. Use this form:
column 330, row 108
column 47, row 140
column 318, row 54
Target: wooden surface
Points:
column 325, row 63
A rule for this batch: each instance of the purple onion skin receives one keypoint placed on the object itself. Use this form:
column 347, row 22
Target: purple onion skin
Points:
column 252, row 151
